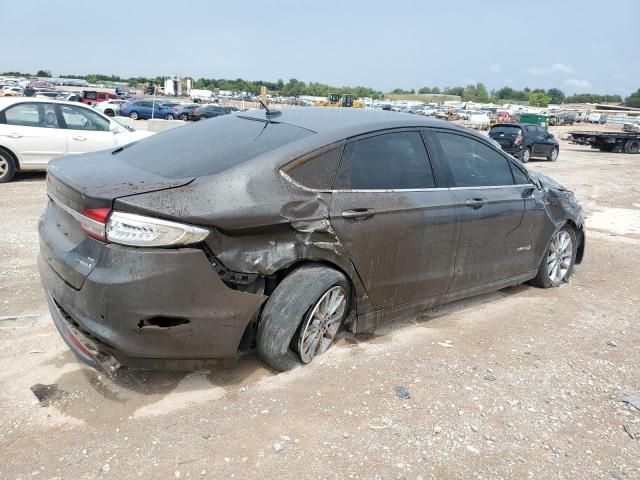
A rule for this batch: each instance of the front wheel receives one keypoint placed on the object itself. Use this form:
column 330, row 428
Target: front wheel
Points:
column 133, row 115
column 184, row 117
column 553, row 156
column 557, row 264
column 303, row 316
column 526, row 155
column 168, row 116
column 109, row 113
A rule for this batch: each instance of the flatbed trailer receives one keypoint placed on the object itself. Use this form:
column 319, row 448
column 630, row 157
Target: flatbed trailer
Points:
column 627, row 142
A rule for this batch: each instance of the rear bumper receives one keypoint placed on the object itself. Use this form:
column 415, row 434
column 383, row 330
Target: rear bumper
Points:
column 146, row 307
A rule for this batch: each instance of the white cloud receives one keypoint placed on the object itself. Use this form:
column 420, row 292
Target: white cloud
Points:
column 549, row 69
column 508, row 81
column 495, row 68
column 578, row 85
column 468, row 81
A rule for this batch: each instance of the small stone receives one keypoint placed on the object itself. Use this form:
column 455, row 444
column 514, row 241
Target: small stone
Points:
column 84, row 451
column 345, row 435
column 177, row 474
column 264, row 412
column 278, row 446
column 203, row 473
column 490, row 376
column 402, row 392
column 105, row 468
column 611, row 343
column 437, row 429
column 473, row 449
column 206, row 436
column 227, row 459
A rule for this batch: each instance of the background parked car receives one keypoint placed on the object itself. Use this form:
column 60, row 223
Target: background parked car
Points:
column 33, row 131
column 183, row 111
column 208, row 111
column 91, row 96
column 10, row 91
column 146, row 109
column 110, row 108
column 525, row 141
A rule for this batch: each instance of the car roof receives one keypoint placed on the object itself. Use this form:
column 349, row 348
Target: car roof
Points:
column 6, row 101
column 348, row 122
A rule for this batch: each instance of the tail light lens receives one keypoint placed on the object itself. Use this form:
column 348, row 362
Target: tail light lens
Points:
column 141, row 231
column 93, row 222
column 138, row 230
column 518, row 140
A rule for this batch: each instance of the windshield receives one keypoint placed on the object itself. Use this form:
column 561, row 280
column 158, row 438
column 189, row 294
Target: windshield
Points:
column 210, row 147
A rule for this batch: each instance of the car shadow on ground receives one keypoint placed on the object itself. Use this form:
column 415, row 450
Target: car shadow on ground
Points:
column 84, row 392
column 29, row 177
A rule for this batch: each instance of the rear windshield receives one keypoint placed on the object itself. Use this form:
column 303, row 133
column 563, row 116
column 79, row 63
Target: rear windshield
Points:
column 210, row 146
column 506, row 129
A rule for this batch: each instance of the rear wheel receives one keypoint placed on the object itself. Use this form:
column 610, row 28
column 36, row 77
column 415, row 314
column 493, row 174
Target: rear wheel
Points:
column 184, row 116
column 168, row 116
column 557, row 264
column 553, row 156
column 632, row 146
column 526, row 155
column 303, row 316
column 109, row 113
column 133, row 115
column 7, row 166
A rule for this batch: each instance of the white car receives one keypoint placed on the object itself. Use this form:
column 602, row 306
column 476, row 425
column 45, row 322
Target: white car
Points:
column 109, row 107
column 35, row 130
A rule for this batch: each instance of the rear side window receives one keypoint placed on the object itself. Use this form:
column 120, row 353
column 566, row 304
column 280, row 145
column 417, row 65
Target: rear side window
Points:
column 317, row 172
column 90, row 95
column 392, row 161
column 471, row 163
column 210, row 147
column 31, row 115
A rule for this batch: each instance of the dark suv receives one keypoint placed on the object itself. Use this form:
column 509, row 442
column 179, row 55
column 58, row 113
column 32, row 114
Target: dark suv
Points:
column 525, row 141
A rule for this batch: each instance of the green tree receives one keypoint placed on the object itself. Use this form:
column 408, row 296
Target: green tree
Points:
column 557, row 95
column 470, row 93
column 481, row 93
column 539, row 99
column 633, row 100
column 425, row 90
column 435, row 90
column 43, row 73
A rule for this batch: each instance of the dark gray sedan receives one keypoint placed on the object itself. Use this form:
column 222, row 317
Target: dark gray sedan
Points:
column 277, row 230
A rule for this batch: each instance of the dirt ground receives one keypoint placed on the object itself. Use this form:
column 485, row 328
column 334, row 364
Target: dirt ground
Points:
column 521, row 383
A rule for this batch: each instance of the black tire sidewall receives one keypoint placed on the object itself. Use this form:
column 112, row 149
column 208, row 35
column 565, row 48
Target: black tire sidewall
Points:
column 12, row 166
column 542, row 278
column 287, row 308
column 525, row 152
column 554, row 149
column 627, row 146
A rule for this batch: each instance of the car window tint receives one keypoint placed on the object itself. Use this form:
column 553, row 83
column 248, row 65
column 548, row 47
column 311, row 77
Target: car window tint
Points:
column 90, row 95
column 390, row 161
column 78, row 118
column 520, row 177
column 472, row 163
column 317, row 172
column 32, row 115
column 213, row 146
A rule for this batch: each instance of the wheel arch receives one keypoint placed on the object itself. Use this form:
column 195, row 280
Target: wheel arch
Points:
column 580, row 240
column 12, row 155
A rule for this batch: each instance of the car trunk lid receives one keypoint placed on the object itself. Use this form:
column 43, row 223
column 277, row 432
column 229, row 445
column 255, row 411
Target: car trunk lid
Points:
column 77, row 188
column 505, row 135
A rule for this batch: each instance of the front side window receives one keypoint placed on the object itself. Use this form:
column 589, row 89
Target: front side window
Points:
column 78, row 118
column 90, row 95
column 471, row 163
column 32, row 115
column 393, row 161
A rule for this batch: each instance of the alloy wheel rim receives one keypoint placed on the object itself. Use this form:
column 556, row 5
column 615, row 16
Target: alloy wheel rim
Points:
column 322, row 324
column 525, row 155
column 554, row 154
column 4, row 167
column 559, row 257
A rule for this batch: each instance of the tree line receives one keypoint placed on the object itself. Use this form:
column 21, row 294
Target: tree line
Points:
column 477, row 92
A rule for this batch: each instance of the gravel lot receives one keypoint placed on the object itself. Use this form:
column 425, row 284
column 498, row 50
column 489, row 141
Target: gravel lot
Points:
column 522, row 383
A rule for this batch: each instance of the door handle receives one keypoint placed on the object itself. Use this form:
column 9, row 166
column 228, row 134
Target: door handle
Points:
column 14, row 135
column 476, row 203
column 358, row 214
column 80, row 139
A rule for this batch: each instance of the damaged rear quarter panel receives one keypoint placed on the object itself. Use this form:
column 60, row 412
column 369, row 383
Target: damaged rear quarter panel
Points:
column 261, row 223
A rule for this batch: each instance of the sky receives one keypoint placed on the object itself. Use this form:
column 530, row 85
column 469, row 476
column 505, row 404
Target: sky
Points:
column 578, row 46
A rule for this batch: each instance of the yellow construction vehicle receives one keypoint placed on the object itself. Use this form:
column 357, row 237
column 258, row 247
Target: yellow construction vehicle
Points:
column 340, row 100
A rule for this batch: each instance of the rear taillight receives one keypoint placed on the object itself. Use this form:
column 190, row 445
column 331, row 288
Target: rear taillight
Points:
column 518, row 140
column 142, row 231
column 94, row 222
